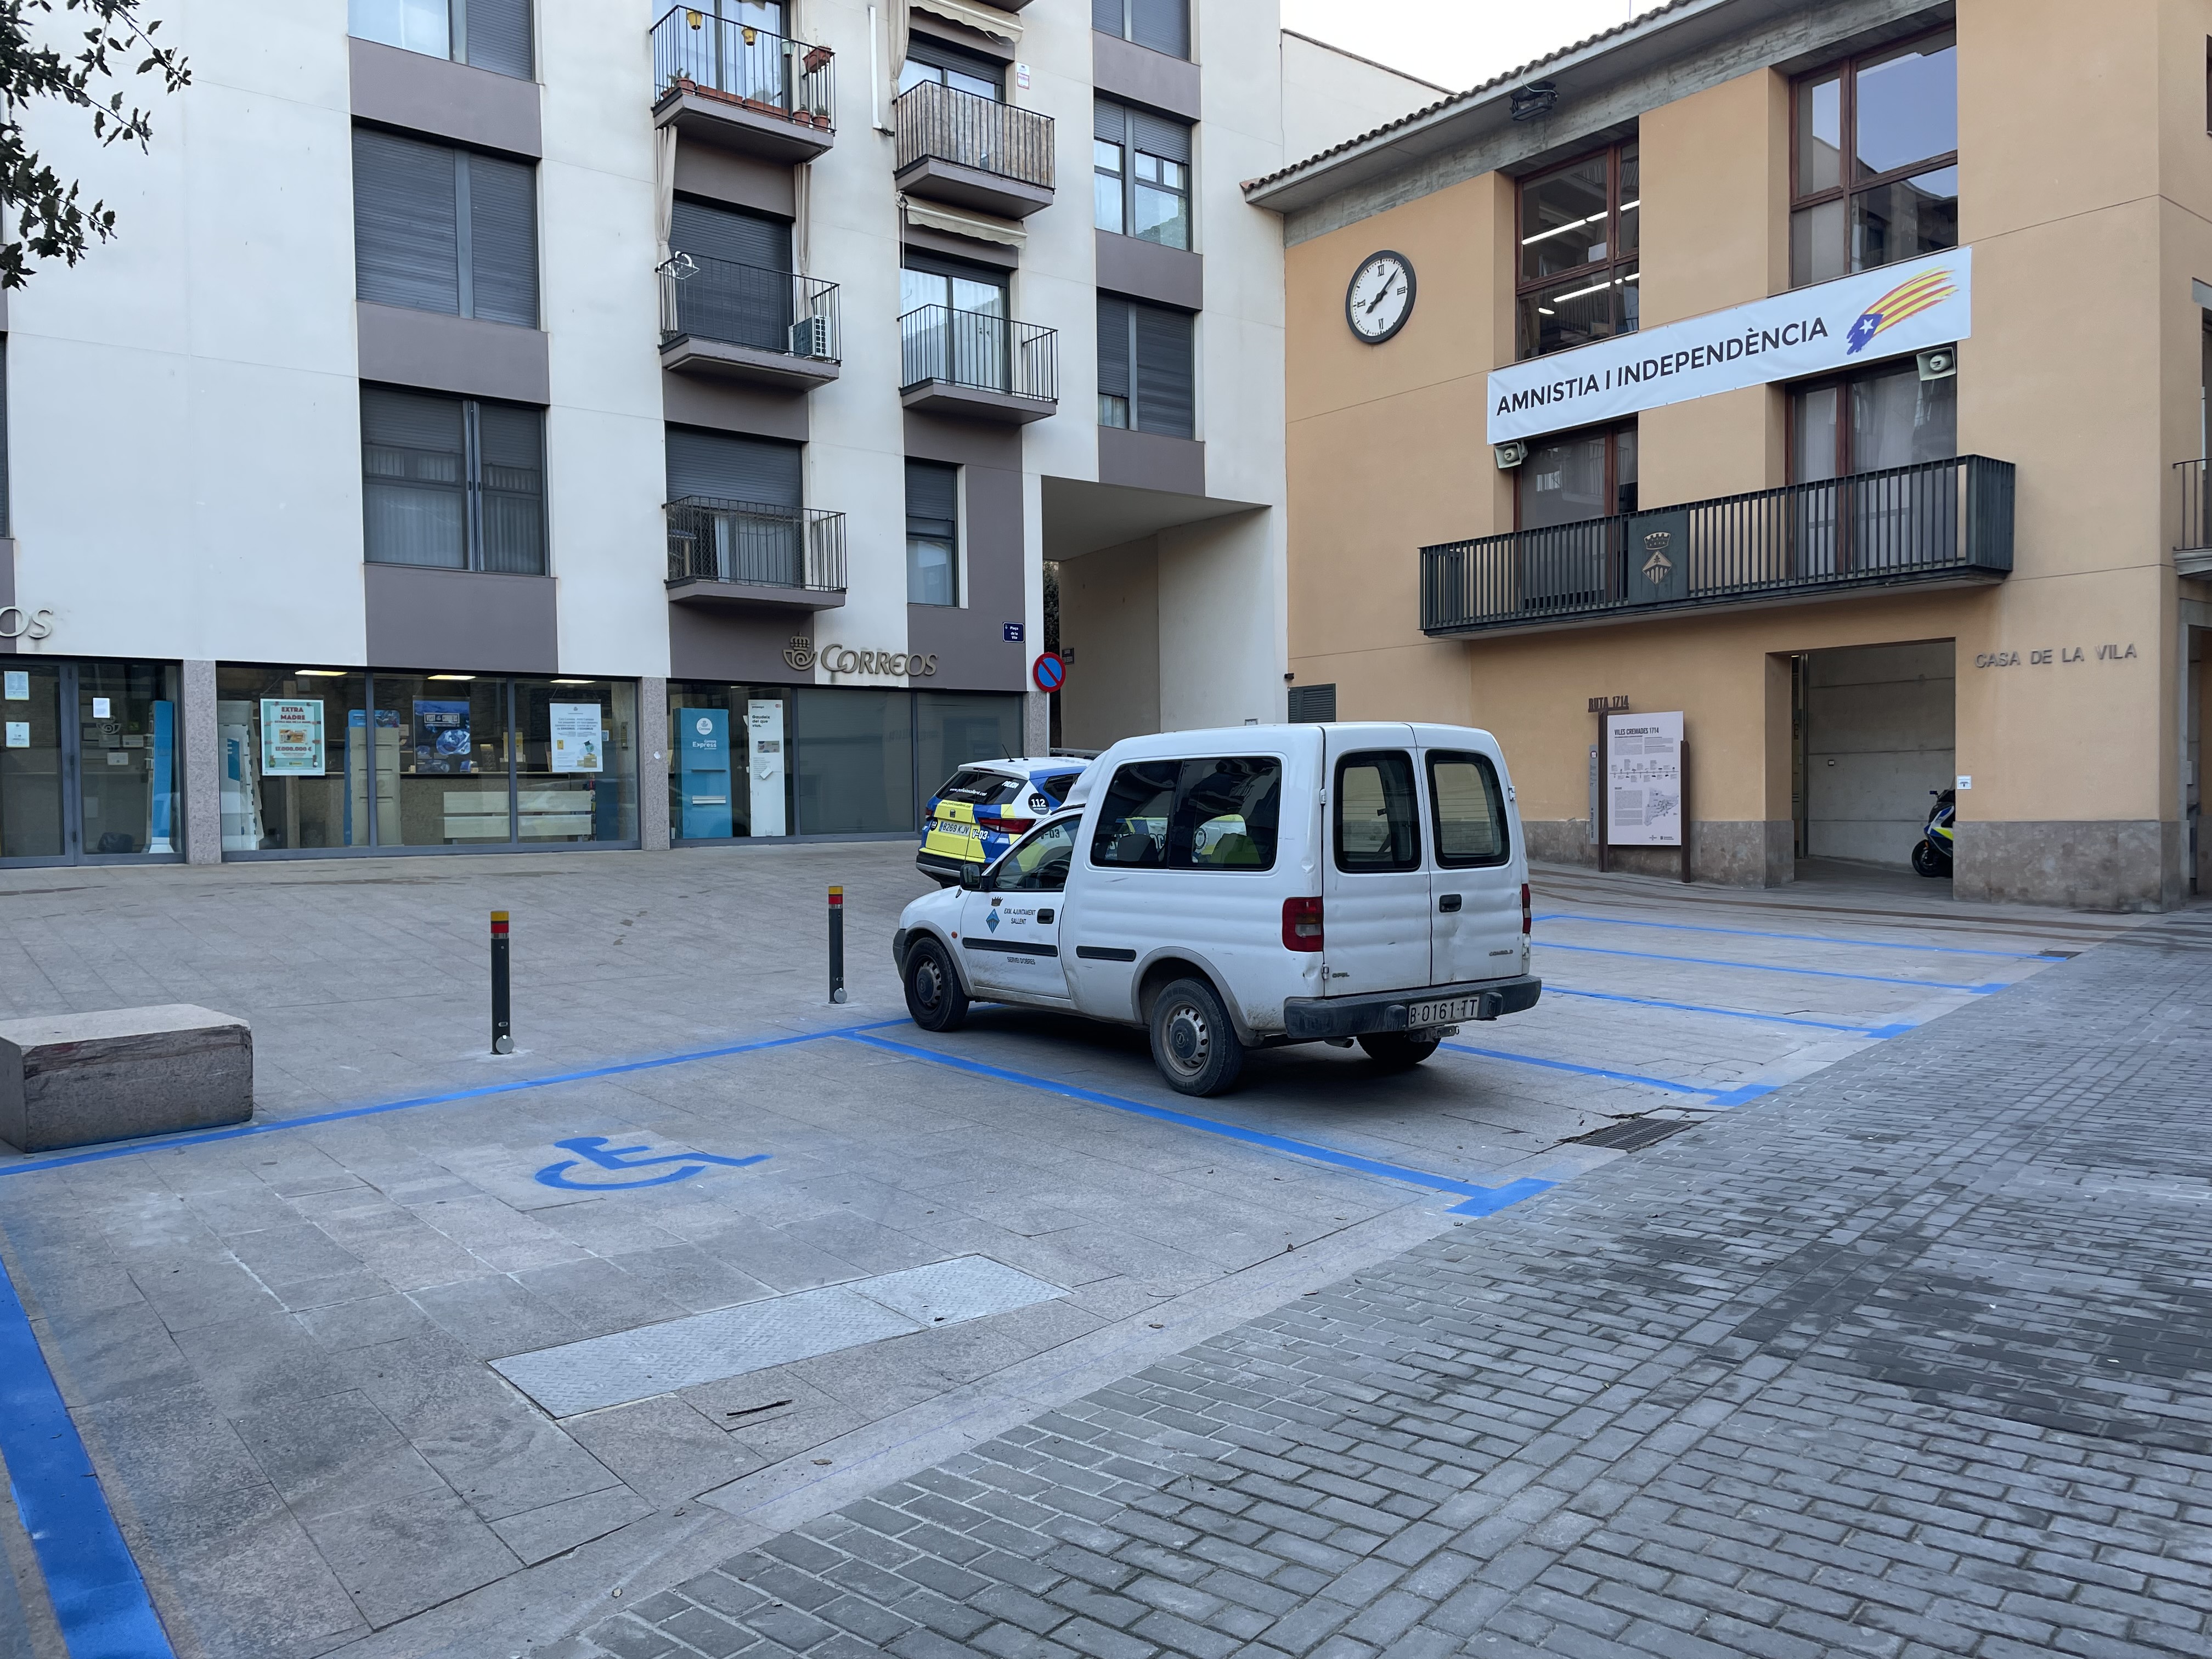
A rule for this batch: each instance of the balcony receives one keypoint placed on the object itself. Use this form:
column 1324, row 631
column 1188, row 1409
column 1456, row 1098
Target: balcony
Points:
column 740, row 87
column 735, row 322
column 1936, row 524
column 973, row 152
column 744, row 555
column 2192, row 554
column 983, row 367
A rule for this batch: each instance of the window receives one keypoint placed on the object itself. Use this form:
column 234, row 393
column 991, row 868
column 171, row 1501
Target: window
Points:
column 1377, row 820
column 1576, row 477
column 1039, row 864
column 739, row 288
column 1192, row 815
column 933, row 533
column 1467, row 810
column 949, row 66
column 437, row 228
column 1316, row 704
column 6, row 520
column 735, row 508
column 1579, row 253
column 953, row 323
column 1163, row 25
column 1886, row 416
column 1874, row 167
column 1140, row 174
column 453, row 483
column 1146, row 378
column 493, row 35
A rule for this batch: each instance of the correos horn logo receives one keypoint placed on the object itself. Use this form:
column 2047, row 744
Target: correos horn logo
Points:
column 1906, row 300
column 705, row 728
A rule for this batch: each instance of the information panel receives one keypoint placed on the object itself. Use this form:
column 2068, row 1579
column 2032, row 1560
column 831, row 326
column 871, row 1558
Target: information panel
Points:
column 292, row 737
column 1643, row 779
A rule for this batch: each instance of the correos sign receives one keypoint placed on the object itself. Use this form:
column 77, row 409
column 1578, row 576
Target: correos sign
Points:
column 1862, row 318
column 17, row 624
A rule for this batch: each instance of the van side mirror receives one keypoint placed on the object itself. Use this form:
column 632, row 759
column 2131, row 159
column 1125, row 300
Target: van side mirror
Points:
column 971, row 877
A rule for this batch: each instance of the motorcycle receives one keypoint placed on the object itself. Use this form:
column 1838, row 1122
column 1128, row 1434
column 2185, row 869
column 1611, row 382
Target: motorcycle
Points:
column 1931, row 856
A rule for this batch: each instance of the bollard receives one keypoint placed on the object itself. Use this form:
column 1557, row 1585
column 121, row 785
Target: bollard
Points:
column 502, row 1020
column 836, row 945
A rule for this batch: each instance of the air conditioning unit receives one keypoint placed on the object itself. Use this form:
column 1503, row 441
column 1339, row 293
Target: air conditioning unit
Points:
column 1511, row 455
column 1941, row 364
column 810, row 337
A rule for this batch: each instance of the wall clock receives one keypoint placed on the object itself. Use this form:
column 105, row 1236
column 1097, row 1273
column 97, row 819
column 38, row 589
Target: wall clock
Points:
column 1380, row 297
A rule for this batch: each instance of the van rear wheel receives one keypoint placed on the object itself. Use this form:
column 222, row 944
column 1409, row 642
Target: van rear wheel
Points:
column 933, row 996
column 1193, row 1044
column 1397, row 1051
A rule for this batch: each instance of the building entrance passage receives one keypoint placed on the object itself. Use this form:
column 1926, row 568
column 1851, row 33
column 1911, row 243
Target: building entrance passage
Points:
column 1874, row 729
column 87, row 762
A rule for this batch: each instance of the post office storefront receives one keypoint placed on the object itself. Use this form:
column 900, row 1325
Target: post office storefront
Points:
column 88, row 767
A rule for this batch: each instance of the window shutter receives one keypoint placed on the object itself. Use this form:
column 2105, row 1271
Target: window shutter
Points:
column 932, row 498
column 511, row 470
column 1113, row 347
column 709, row 232
column 732, row 469
column 406, row 249
column 1163, row 25
column 1166, row 394
column 1157, row 135
column 503, row 240
column 1109, row 120
column 1106, row 17
column 499, row 36
column 414, row 479
column 1313, row 703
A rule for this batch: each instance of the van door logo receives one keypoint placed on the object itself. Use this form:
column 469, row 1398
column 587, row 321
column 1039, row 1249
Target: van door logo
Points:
column 594, row 1149
column 1658, row 567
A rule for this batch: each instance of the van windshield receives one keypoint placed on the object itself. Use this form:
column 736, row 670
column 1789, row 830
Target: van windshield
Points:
column 1212, row 814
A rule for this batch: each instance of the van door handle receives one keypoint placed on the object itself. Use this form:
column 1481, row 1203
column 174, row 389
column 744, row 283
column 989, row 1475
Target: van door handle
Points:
column 1044, row 917
column 1448, row 902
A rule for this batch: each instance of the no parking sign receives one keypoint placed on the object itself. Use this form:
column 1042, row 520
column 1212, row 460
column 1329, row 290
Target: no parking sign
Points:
column 1049, row 672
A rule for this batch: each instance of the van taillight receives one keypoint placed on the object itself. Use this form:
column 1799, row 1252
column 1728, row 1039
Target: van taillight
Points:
column 1013, row 826
column 1527, row 921
column 1301, row 924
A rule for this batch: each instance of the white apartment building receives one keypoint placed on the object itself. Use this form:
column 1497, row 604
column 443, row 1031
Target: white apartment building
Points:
column 502, row 425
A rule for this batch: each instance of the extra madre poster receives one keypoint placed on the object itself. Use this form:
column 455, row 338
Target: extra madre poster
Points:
column 292, row 737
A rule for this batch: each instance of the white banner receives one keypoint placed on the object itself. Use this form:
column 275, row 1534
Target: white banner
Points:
column 1643, row 779
column 1861, row 318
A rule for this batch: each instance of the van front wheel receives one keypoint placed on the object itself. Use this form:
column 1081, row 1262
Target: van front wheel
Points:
column 933, row 996
column 1193, row 1044
column 1396, row 1051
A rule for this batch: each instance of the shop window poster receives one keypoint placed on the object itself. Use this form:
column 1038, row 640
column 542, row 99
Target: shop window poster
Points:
column 577, row 740
column 292, row 737
column 443, row 741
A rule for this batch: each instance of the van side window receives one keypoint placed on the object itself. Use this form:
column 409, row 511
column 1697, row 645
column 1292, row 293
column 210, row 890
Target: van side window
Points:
column 1214, row 814
column 1038, row 864
column 1469, row 810
column 1377, row 819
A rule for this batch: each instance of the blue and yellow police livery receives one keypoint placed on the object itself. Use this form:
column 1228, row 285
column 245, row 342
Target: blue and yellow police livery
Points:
column 982, row 808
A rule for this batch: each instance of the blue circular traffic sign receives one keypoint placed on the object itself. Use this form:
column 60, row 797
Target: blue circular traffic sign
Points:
column 1049, row 672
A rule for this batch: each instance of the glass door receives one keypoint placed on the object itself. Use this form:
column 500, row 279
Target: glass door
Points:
column 31, row 774
column 88, row 762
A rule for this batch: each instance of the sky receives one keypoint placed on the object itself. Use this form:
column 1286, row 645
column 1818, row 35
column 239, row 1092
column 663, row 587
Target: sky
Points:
column 1457, row 44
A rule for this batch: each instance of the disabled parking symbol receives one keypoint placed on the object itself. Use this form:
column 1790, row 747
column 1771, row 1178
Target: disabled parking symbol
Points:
column 594, row 1149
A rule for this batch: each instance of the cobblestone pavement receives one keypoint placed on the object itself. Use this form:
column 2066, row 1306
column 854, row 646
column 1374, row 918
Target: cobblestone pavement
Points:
column 1911, row 1359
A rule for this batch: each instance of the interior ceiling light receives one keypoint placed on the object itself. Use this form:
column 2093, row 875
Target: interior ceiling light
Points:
column 319, row 673
column 575, row 682
column 453, row 677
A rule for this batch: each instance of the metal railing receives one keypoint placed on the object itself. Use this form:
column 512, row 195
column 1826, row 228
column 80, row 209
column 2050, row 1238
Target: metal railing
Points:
column 950, row 125
column 747, row 305
column 721, row 541
column 693, row 50
column 983, row 353
column 2195, row 507
column 1900, row 524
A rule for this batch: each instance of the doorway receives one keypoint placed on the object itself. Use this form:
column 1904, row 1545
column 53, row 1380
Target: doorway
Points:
column 87, row 762
column 1876, row 729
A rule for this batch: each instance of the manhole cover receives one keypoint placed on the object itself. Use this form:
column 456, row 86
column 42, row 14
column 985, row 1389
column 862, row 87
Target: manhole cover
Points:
column 1634, row 1134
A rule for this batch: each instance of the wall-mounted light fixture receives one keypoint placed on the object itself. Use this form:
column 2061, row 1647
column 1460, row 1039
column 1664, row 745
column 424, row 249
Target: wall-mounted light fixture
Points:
column 1534, row 101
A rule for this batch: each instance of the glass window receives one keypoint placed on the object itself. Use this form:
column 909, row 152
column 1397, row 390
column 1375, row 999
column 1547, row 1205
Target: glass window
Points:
column 1140, row 174
column 954, row 728
column 853, row 758
column 1579, row 477
column 1895, row 114
column 947, row 65
column 493, row 35
column 31, row 811
column 441, row 753
column 1107, row 181
column 1377, row 821
column 295, row 749
column 576, row 763
column 114, row 723
column 451, row 482
column 933, row 533
column 733, row 777
column 1196, row 814
column 1580, row 228
column 1039, row 863
column 1888, row 416
column 1468, row 811
column 1147, row 368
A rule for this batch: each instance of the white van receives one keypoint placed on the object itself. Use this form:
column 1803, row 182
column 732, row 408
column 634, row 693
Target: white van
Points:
column 1250, row 887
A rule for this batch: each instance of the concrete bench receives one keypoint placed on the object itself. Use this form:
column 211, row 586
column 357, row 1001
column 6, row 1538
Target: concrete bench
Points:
column 72, row 1079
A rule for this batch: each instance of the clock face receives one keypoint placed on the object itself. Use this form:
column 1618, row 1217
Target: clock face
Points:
column 1380, row 297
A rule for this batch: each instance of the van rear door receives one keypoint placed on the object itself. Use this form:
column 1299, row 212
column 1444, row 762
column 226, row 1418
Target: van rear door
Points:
column 1474, row 881
column 1375, row 883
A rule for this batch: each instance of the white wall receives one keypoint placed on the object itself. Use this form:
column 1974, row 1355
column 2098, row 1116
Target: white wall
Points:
column 1880, row 734
column 1330, row 95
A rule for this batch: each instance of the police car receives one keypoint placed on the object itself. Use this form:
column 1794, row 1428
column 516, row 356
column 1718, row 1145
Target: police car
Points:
column 983, row 806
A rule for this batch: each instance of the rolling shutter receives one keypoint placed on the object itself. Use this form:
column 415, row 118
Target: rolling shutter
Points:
column 499, row 36
column 1163, row 25
column 1113, row 347
column 511, row 463
column 932, row 498
column 723, row 467
column 1106, row 17
column 1166, row 394
column 406, row 241
column 1110, row 121
column 502, row 240
column 1156, row 134
column 708, row 231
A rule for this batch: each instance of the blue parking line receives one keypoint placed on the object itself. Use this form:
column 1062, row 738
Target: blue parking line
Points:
column 99, row 1598
column 1890, row 1030
column 1764, row 968
column 1494, row 1197
column 1811, row 938
column 1735, row 1096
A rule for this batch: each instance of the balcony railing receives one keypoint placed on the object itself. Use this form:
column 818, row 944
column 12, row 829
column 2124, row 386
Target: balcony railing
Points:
column 2196, row 519
column 755, row 545
column 941, row 123
column 979, row 352
column 693, row 50
column 1933, row 521
column 748, row 305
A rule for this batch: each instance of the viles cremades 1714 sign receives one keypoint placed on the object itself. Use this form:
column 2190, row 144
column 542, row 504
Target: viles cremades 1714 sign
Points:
column 1884, row 312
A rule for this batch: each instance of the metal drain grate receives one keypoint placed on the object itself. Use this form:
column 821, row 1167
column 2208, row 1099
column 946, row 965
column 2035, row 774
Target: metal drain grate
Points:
column 2061, row 955
column 1634, row 1134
